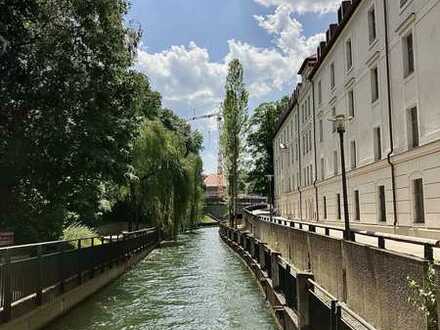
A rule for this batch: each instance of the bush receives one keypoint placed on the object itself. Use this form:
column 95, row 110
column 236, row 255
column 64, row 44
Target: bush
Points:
column 76, row 231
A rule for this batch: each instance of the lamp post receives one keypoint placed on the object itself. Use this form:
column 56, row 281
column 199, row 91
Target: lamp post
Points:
column 340, row 121
column 270, row 178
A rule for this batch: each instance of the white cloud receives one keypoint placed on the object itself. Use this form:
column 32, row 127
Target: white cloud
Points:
column 303, row 6
column 188, row 79
column 288, row 33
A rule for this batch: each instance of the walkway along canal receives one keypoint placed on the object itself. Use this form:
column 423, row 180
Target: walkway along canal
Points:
column 198, row 284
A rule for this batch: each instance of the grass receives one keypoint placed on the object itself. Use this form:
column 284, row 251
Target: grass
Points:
column 207, row 220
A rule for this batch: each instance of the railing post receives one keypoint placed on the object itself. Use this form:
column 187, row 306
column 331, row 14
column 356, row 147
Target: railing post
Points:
column 61, row 272
column 39, row 275
column 381, row 242
column 429, row 254
column 337, row 316
column 303, row 299
column 275, row 272
column 78, row 253
column 333, row 314
column 7, row 311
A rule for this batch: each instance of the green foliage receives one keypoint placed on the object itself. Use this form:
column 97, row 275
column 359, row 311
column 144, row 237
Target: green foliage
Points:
column 234, row 110
column 424, row 296
column 72, row 113
column 164, row 184
column 263, row 124
column 76, row 231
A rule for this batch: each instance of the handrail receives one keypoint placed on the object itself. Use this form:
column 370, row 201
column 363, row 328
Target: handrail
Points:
column 343, row 305
column 426, row 243
column 102, row 238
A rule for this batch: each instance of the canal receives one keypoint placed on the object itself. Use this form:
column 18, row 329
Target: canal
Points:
column 198, row 284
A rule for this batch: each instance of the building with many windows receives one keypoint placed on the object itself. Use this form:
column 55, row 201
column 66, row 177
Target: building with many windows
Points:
column 380, row 66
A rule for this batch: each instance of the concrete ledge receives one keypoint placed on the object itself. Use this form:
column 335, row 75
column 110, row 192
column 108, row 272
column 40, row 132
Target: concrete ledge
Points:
column 41, row 316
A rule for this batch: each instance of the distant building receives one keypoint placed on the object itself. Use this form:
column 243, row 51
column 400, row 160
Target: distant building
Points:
column 215, row 186
column 380, row 65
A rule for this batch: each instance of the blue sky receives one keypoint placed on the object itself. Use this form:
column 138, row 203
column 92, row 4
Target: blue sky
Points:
column 187, row 44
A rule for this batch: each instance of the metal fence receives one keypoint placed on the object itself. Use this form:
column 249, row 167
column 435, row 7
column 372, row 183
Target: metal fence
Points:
column 327, row 313
column 287, row 285
column 27, row 272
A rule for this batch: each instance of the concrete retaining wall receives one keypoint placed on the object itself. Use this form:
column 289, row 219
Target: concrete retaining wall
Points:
column 372, row 282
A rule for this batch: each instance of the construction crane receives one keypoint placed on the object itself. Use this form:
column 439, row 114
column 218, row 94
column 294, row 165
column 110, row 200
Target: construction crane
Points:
column 219, row 117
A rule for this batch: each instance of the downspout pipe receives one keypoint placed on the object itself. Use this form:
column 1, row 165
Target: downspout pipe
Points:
column 314, row 151
column 390, row 114
column 299, row 159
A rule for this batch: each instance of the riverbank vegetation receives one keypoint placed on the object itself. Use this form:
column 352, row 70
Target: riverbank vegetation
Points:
column 83, row 137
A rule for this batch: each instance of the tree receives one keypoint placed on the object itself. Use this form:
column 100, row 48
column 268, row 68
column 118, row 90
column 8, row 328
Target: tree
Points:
column 67, row 109
column 234, row 110
column 263, row 124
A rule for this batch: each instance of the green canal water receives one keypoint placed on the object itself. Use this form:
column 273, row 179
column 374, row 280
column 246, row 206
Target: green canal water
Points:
column 198, row 284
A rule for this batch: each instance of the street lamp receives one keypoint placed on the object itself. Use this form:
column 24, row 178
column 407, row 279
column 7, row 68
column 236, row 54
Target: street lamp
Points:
column 340, row 122
column 270, row 177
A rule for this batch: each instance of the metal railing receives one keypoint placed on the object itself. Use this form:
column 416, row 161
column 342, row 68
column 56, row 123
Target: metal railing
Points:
column 327, row 313
column 28, row 272
column 381, row 239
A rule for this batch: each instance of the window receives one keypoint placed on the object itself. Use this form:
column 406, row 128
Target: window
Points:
column 374, row 85
column 348, row 54
column 322, row 168
column 357, row 211
column 319, row 92
column 332, row 76
column 408, row 55
column 310, row 139
column 335, row 162
column 321, row 131
column 413, row 128
column 382, row 209
column 372, row 25
column 338, row 206
column 324, row 202
column 353, row 155
column 377, row 144
column 311, row 174
column 419, row 207
column 333, row 122
column 350, row 103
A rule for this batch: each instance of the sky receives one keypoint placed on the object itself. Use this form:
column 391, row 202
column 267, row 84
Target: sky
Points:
column 187, row 44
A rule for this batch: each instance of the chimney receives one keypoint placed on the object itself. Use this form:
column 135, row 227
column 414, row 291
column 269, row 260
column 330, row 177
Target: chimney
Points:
column 333, row 28
column 322, row 47
column 340, row 15
column 346, row 7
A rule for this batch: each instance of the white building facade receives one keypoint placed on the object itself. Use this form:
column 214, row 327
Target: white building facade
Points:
column 379, row 65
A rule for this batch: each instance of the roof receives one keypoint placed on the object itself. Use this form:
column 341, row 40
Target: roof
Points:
column 335, row 30
column 340, row 27
column 214, row 180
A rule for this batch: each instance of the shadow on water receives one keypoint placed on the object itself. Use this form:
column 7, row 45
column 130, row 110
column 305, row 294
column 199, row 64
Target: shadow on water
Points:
column 197, row 284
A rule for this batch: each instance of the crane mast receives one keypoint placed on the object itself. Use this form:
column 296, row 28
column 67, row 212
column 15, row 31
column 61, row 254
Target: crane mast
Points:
column 219, row 117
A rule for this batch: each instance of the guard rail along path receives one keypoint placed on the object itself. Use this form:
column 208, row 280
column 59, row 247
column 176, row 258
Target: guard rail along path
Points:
column 316, row 280
column 39, row 282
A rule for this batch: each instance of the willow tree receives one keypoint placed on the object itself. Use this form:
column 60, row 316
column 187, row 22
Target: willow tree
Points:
column 234, row 111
